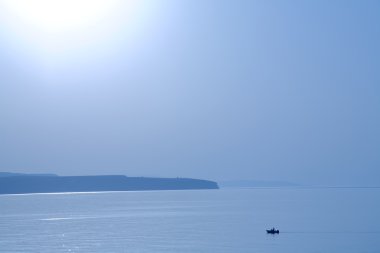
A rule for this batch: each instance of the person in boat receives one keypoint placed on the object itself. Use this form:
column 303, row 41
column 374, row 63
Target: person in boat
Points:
column 273, row 231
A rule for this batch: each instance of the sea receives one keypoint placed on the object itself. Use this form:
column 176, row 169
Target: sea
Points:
column 226, row 220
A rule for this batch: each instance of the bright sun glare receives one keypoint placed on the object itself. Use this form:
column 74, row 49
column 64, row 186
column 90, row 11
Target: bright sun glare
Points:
column 60, row 15
column 55, row 33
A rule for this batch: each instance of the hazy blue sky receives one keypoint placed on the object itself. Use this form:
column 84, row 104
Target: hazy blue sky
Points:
column 276, row 90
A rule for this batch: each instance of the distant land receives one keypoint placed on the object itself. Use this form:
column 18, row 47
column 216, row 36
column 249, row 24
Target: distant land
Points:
column 17, row 183
column 255, row 183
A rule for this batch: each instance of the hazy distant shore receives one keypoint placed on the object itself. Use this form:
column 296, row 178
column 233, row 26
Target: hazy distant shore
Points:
column 50, row 183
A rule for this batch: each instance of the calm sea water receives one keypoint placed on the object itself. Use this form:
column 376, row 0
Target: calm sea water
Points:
column 226, row 220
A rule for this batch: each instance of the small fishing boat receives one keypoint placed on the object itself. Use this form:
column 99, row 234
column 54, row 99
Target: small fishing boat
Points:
column 273, row 231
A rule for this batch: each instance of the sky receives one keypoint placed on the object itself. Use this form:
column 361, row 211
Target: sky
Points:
column 214, row 89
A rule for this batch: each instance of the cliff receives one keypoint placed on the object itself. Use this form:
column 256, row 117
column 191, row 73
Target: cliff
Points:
column 48, row 184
